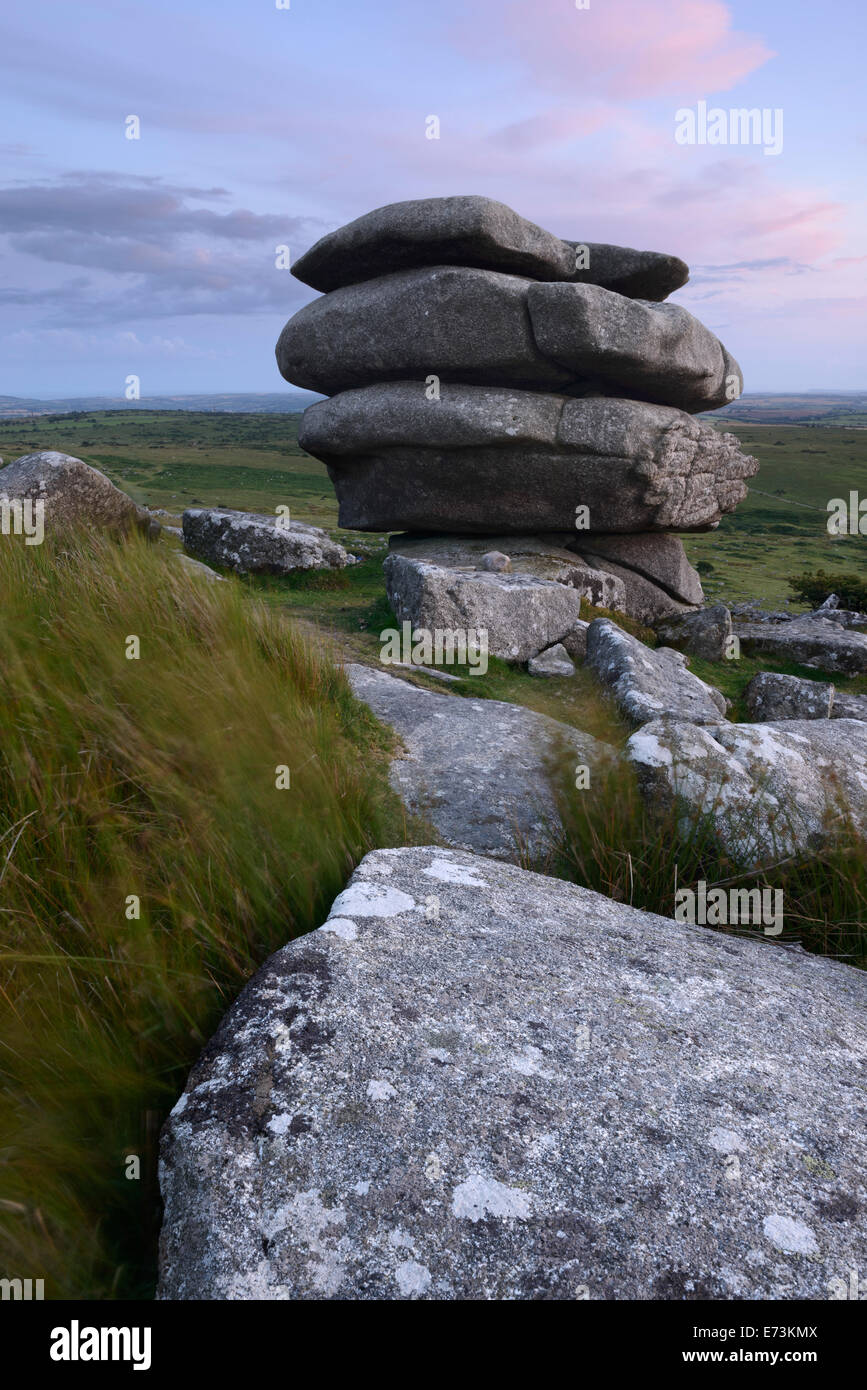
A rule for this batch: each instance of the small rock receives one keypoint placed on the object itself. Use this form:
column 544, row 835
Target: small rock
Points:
column 771, row 696
column 704, row 634
column 495, row 560
column 554, row 661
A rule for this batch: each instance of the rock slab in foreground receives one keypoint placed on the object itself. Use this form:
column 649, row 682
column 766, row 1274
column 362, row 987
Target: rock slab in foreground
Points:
column 252, row 544
column 771, row 696
column 769, row 790
column 479, row 770
column 74, row 494
column 474, row 1082
column 648, row 683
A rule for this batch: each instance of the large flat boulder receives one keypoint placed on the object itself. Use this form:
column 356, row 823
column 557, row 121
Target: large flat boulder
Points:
column 649, row 683
column 468, row 325
column 769, row 790
column 479, row 770
column 489, row 461
column 477, row 1083
column 73, row 494
column 809, row 641
column 473, row 231
column 539, row 556
column 521, row 614
column 464, row 230
column 654, row 352
column 250, row 543
column 463, row 325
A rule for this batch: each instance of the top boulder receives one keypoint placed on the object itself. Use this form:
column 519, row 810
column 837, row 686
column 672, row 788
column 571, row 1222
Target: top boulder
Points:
column 482, row 234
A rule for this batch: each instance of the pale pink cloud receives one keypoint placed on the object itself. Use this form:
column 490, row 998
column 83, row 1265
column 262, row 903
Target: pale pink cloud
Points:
column 626, row 49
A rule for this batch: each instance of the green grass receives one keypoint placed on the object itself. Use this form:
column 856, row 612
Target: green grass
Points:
column 155, row 778
column 614, row 842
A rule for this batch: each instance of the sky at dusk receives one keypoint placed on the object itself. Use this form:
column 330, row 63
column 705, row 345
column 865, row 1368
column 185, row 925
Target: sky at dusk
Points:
column 262, row 126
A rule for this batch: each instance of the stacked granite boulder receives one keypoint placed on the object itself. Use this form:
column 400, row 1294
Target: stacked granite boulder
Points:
column 496, row 391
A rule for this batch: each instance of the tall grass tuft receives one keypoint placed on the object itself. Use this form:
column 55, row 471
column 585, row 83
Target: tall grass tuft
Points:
column 614, row 841
column 151, row 779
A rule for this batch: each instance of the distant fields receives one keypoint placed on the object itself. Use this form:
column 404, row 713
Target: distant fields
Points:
column 173, row 460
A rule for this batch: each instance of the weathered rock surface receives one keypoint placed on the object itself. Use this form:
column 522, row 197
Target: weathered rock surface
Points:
column 654, row 352
column 522, row 615
column 659, row 558
column 772, row 696
column 638, row 274
column 539, row 556
column 554, row 661
column 462, row 325
column 473, row 1082
column 253, row 544
column 468, row 325
column 649, row 683
column 770, row 789
column 637, row 467
column 463, row 230
column 480, row 232
column 73, row 494
column 705, row 634
column 810, row 641
column 477, row 769
column 846, row 706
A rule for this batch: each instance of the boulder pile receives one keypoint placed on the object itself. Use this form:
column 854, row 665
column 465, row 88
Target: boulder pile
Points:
column 495, row 388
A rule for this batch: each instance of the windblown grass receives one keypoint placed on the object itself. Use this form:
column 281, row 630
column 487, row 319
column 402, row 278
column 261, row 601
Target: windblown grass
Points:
column 153, row 778
column 616, row 842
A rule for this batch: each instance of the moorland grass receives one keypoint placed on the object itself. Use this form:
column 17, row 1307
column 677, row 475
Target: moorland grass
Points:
column 155, row 779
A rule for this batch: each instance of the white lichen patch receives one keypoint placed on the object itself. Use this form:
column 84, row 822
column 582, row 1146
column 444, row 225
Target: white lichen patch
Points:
column 343, row 927
column 448, row 872
column 380, row 1090
column 790, row 1235
column 412, row 1278
column 362, row 899
column 479, row 1196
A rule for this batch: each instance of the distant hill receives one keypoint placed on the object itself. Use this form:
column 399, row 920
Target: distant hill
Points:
column 800, row 408
column 255, row 403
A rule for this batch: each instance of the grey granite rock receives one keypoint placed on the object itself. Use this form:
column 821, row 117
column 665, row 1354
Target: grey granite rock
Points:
column 73, row 493
column 649, row 683
column 554, row 661
column 642, row 599
column 653, row 352
column 635, row 467
column 479, row 770
column 705, row 633
column 772, row 696
column 639, row 274
column 843, row 617
column 769, row 790
column 810, row 641
column 467, row 325
column 459, row 324
column 575, row 641
column 521, row 615
column 253, row 544
column 541, row 556
column 465, row 230
column 476, row 1083
column 659, row 558
column 846, row 706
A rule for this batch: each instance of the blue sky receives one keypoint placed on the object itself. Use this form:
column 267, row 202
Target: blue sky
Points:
column 262, row 126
